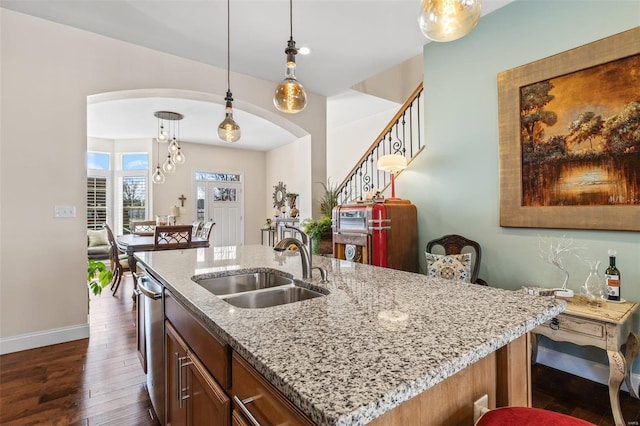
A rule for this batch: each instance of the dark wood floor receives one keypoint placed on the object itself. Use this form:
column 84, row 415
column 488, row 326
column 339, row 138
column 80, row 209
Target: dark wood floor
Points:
column 99, row 381
column 95, row 381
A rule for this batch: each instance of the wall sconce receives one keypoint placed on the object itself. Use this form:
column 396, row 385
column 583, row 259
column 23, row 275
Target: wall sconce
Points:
column 392, row 163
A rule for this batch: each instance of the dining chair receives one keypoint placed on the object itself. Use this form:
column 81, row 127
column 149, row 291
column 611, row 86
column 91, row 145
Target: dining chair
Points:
column 205, row 231
column 143, row 227
column 453, row 245
column 171, row 237
column 196, row 228
column 119, row 261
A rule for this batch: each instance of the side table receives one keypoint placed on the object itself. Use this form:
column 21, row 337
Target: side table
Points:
column 607, row 326
column 271, row 236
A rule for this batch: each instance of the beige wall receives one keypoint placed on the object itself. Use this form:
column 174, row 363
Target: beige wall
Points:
column 47, row 72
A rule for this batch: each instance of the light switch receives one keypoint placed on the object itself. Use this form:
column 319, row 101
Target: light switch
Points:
column 64, row 211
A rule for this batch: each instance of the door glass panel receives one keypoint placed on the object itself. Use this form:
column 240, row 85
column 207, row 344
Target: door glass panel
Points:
column 224, row 194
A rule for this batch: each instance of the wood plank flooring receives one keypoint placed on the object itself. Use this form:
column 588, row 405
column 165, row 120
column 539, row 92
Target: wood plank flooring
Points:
column 99, row 381
column 95, row 381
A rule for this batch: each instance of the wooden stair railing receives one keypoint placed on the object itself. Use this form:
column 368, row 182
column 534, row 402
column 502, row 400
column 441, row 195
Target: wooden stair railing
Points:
column 402, row 135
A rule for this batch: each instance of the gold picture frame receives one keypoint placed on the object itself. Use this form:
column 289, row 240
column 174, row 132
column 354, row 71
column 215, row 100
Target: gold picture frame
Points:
column 516, row 208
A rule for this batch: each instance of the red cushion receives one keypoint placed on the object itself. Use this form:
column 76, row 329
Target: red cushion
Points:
column 523, row 416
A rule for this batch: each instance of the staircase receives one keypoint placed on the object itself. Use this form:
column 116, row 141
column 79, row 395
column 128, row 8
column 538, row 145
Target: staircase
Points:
column 402, row 135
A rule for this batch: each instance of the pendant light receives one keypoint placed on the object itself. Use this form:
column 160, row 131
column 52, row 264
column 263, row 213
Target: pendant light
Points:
column 163, row 135
column 447, row 20
column 290, row 96
column 228, row 130
column 158, row 176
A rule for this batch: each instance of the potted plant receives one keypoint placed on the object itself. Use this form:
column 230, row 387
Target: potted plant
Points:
column 320, row 231
column 98, row 276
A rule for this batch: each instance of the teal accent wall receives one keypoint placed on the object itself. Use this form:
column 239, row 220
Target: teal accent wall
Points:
column 455, row 182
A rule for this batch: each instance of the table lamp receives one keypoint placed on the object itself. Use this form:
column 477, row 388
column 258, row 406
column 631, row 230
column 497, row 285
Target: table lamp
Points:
column 392, row 163
column 175, row 212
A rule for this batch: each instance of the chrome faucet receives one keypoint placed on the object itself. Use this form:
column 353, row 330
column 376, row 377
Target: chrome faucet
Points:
column 304, row 248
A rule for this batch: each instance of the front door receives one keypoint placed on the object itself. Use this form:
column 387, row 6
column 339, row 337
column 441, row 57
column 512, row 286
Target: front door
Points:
column 225, row 210
column 219, row 199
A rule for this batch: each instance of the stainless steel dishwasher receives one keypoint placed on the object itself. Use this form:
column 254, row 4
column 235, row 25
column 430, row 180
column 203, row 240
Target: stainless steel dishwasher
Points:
column 152, row 293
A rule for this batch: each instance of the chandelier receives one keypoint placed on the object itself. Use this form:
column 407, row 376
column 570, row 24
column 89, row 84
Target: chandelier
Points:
column 168, row 133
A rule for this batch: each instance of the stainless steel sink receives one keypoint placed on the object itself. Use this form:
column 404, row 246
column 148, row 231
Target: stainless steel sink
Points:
column 243, row 282
column 271, row 297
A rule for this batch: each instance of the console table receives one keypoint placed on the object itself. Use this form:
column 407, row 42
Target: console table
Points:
column 607, row 326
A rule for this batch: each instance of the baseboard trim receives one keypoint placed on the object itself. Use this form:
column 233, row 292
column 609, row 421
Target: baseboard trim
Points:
column 580, row 367
column 38, row 339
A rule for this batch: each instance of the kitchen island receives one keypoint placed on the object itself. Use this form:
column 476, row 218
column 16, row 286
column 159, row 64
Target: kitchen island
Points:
column 379, row 338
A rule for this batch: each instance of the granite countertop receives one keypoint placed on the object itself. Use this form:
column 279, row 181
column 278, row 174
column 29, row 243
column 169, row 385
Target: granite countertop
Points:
column 379, row 338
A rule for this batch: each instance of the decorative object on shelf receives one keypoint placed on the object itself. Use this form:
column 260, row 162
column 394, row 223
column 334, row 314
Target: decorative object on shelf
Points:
column 448, row 20
column 289, row 95
column 229, row 130
column 392, row 163
column 569, row 162
column 291, row 200
column 553, row 252
column 268, row 224
column 278, row 195
column 594, row 286
column 175, row 155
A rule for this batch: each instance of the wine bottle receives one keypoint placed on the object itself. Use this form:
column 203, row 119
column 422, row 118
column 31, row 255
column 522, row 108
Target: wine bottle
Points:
column 612, row 277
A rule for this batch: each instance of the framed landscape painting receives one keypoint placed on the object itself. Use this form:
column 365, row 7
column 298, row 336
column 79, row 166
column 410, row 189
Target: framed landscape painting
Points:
column 570, row 138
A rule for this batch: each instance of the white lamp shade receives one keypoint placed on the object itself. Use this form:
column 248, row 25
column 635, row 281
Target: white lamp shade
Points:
column 175, row 211
column 392, row 163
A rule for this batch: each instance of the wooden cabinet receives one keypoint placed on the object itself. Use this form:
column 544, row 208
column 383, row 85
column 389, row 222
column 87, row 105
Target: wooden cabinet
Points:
column 193, row 395
column 254, row 397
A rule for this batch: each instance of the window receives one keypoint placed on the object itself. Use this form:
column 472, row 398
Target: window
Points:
column 98, row 180
column 96, row 202
column 134, row 200
column 135, row 161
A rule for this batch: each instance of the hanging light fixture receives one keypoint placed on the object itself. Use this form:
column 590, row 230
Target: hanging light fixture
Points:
column 228, row 130
column 290, row 96
column 158, row 176
column 163, row 135
column 174, row 155
column 447, row 20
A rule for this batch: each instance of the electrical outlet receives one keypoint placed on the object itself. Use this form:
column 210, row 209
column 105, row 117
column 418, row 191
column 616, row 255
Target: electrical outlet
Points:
column 480, row 406
column 64, row 211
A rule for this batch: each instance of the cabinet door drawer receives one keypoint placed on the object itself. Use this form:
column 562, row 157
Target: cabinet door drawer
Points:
column 213, row 352
column 567, row 328
column 582, row 326
column 263, row 401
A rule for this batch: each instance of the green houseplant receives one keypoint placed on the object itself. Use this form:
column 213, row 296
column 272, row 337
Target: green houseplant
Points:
column 320, row 230
column 98, row 276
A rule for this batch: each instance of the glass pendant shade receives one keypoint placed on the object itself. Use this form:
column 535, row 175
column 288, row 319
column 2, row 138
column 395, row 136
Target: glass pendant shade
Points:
column 163, row 135
column 447, row 20
column 178, row 157
column 158, row 176
column 169, row 166
column 229, row 130
column 290, row 96
column 173, row 146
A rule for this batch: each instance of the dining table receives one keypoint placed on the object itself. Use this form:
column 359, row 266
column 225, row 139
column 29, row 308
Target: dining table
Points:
column 132, row 243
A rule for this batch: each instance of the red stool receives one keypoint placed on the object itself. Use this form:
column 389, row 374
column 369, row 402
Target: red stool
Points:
column 523, row 416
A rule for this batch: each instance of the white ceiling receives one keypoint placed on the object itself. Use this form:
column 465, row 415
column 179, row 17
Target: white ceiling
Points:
column 350, row 41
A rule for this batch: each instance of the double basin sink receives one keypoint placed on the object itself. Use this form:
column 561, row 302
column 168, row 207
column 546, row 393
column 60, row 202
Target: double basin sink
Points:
column 260, row 289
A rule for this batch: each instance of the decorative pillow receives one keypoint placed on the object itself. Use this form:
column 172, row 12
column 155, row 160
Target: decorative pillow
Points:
column 97, row 238
column 450, row 267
